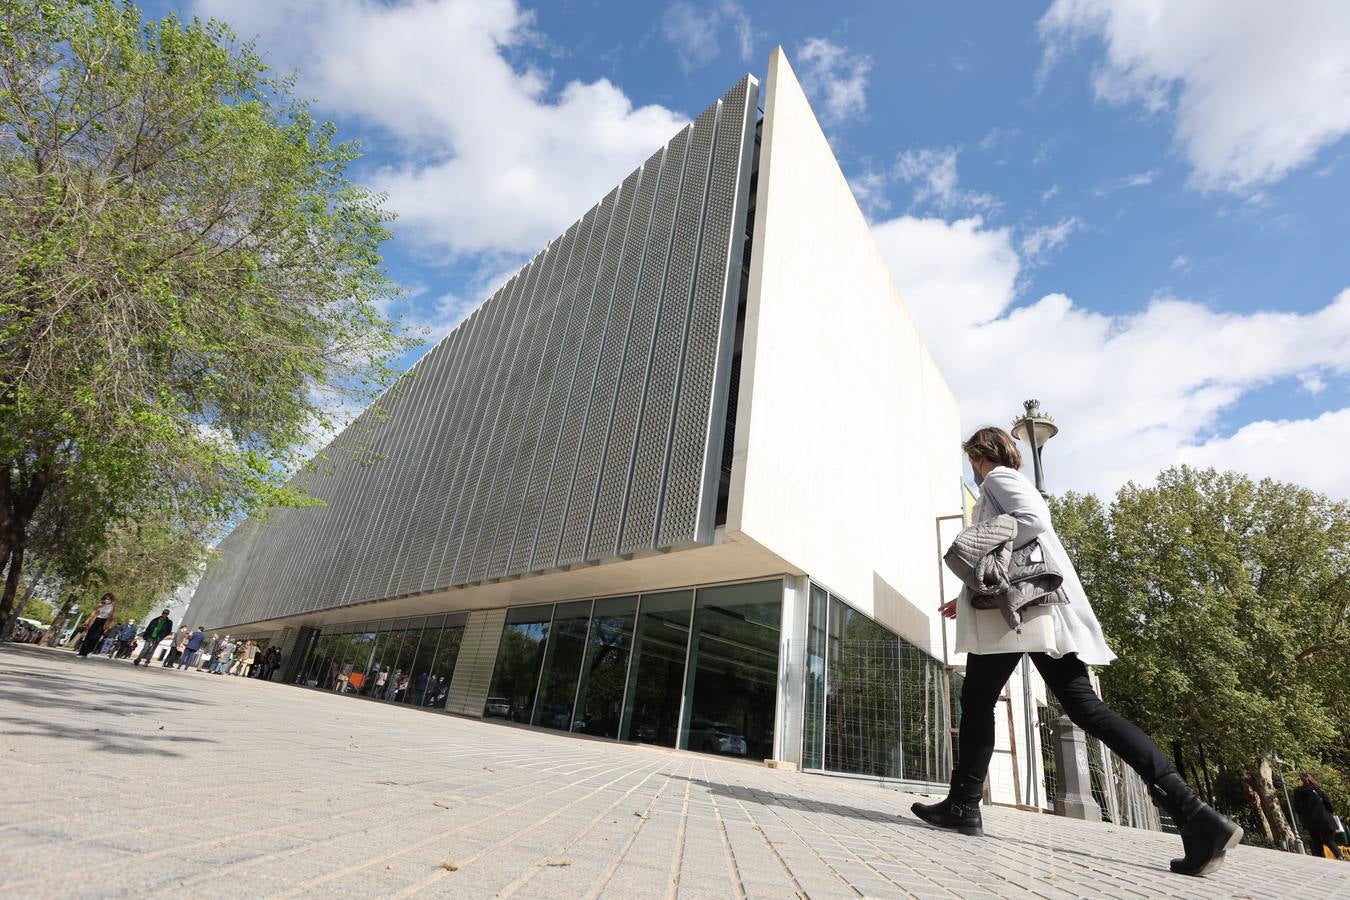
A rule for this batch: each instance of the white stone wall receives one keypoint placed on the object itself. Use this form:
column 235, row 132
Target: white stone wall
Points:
column 847, row 442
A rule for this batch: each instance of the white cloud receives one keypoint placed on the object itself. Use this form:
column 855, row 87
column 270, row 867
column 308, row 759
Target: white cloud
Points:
column 694, row 32
column 1133, row 393
column 1137, row 179
column 1182, row 263
column 1256, row 88
column 491, row 157
column 1040, row 241
column 933, row 172
column 869, row 189
column 836, row 79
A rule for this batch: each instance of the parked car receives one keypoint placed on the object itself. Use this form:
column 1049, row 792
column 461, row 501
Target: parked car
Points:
column 716, row 737
column 497, row 706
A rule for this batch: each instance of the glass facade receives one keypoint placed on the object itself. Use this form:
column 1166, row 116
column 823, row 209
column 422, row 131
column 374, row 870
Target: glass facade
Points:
column 732, row 688
column 519, row 656
column 694, row 669
column 408, row 661
column 875, row 704
column 616, row 667
column 605, row 669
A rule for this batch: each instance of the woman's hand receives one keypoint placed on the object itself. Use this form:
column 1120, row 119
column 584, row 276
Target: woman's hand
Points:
column 948, row 609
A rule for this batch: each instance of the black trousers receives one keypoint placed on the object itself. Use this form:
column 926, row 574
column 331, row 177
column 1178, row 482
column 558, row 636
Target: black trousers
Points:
column 93, row 637
column 1327, row 840
column 1067, row 678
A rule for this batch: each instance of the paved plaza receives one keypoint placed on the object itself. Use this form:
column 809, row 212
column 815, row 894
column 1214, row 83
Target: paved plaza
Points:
column 135, row 782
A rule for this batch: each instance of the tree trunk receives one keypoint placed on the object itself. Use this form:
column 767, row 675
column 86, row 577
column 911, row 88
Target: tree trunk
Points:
column 1262, row 783
column 1258, row 814
column 7, row 624
column 11, row 583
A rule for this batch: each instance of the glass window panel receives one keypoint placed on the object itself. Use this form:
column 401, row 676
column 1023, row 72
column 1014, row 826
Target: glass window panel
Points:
column 733, row 685
column 516, row 674
column 443, row 665
column 656, row 680
column 364, row 661
column 918, row 684
column 419, row 665
column 862, row 704
column 813, row 725
column 600, row 692
column 562, row 665
column 396, row 688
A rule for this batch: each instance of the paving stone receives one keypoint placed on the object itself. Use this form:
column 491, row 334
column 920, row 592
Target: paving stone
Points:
column 269, row 790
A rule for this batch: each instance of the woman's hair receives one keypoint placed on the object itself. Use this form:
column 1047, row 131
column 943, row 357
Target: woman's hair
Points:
column 1310, row 781
column 995, row 445
column 107, row 596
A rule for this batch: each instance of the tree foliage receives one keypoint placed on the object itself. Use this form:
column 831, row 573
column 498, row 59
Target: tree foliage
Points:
column 188, row 279
column 1228, row 602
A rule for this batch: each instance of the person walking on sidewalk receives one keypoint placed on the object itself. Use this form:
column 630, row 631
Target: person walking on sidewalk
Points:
column 1315, row 813
column 98, row 620
column 1022, row 595
column 194, row 644
column 159, row 626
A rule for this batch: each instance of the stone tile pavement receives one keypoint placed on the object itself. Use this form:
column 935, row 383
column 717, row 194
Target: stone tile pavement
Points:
column 135, row 782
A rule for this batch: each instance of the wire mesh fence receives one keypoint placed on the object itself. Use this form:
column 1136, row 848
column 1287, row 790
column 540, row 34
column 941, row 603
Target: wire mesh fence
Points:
column 1119, row 791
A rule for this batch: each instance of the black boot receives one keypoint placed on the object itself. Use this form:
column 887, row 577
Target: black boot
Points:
column 1206, row 833
column 961, row 809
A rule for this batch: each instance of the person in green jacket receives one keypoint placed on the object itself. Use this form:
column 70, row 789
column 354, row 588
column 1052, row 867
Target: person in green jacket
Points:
column 155, row 632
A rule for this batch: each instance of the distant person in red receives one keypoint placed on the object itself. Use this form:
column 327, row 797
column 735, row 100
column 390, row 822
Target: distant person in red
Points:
column 98, row 620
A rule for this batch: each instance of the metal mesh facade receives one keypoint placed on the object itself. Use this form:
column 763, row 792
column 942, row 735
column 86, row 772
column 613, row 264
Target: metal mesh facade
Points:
column 570, row 418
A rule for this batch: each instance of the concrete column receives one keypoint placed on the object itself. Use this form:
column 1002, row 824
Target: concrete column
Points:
column 1074, row 775
column 787, row 733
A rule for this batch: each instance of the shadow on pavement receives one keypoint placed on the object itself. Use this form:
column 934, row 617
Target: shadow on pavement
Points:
column 100, row 740
column 770, row 798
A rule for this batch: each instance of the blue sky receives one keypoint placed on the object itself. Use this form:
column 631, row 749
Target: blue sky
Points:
column 1152, row 197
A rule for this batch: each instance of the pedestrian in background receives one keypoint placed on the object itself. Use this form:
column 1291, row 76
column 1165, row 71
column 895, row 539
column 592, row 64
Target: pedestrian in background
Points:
column 126, row 639
column 224, row 656
column 193, row 645
column 160, row 626
column 97, row 622
column 1314, row 810
column 176, row 648
column 1036, row 605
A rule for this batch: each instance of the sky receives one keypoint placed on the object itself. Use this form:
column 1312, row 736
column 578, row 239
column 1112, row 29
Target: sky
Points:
column 1135, row 212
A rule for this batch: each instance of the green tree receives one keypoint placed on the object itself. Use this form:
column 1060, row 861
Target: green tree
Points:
column 1228, row 601
column 188, row 279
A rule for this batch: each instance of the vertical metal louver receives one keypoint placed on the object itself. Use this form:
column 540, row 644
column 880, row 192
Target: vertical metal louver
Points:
column 575, row 415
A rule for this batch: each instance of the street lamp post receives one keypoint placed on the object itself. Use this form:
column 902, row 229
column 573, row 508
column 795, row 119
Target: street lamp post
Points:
column 1035, row 428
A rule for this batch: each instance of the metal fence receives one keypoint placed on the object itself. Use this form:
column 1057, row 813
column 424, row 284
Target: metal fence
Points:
column 1118, row 789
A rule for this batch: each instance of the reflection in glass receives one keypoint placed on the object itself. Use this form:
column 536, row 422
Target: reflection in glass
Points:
column 419, row 664
column 656, row 680
column 600, row 692
column 734, row 655
column 814, row 707
column 516, row 674
column 862, row 704
column 562, row 665
column 399, row 678
column 443, row 664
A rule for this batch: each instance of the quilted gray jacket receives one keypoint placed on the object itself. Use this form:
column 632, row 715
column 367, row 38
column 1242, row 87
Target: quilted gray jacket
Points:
column 998, row 577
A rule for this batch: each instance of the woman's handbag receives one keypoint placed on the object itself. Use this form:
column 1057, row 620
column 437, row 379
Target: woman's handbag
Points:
column 987, row 631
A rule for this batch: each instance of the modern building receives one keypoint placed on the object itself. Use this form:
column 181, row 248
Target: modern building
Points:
column 682, row 480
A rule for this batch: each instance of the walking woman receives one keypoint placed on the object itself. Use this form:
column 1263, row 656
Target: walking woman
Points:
column 98, row 620
column 1315, row 812
column 1060, row 632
